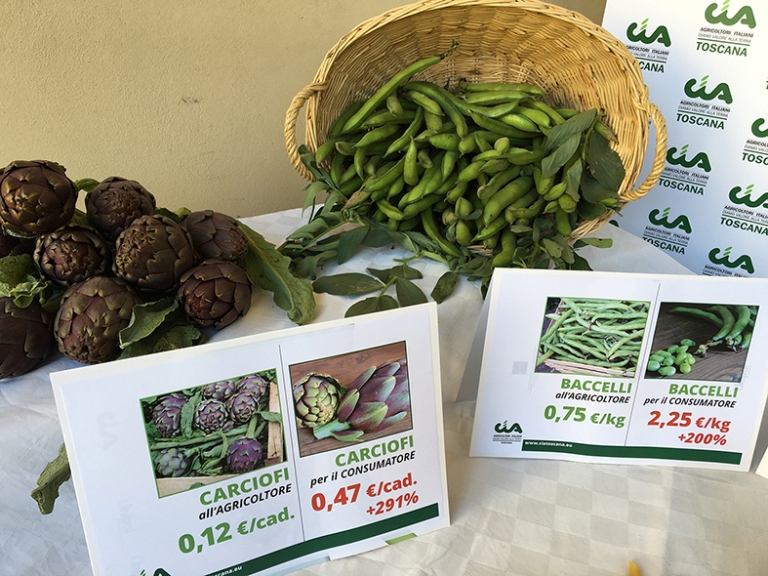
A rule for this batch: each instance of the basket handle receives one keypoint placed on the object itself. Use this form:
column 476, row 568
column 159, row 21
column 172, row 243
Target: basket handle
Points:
column 290, row 126
column 660, row 158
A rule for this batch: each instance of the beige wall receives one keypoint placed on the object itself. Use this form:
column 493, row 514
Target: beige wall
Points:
column 187, row 97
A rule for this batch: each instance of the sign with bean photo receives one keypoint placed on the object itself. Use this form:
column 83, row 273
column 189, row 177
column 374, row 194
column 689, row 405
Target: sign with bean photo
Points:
column 619, row 368
column 260, row 454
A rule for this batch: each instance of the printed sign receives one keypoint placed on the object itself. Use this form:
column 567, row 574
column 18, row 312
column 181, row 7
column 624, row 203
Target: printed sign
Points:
column 621, row 368
column 259, row 454
column 704, row 65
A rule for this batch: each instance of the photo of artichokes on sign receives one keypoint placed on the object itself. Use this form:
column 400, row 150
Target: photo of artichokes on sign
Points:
column 352, row 397
column 124, row 277
column 204, row 434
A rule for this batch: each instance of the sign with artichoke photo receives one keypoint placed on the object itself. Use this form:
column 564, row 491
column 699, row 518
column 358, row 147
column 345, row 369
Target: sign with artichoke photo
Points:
column 351, row 398
column 204, row 434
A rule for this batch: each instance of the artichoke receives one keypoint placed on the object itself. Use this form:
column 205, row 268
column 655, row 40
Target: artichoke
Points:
column 26, row 339
column 115, row 203
column 210, row 415
column 172, row 463
column 242, row 407
column 254, row 384
column 377, row 398
column 220, row 390
column 153, row 253
column 166, row 414
column 71, row 255
column 92, row 313
column 244, row 455
column 215, row 235
column 36, row 197
column 215, row 293
column 316, row 397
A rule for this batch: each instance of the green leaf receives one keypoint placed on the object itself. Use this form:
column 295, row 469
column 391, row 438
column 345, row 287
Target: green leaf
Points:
column 179, row 336
column 386, row 302
column 592, row 191
column 589, row 211
column 145, row 319
column 557, row 159
column 19, row 281
column 312, row 190
column 574, row 125
column 596, row 242
column 377, row 237
column 86, row 184
column 573, row 179
column 580, row 263
column 401, row 271
column 347, row 284
column 445, row 286
column 271, row 416
column 271, row 271
column 55, row 473
column 327, row 430
column 604, row 163
column 307, row 266
column 363, row 307
column 349, row 241
column 552, row 248
column 408, row 293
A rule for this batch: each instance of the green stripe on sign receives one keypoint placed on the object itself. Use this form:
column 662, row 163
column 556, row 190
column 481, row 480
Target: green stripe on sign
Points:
column 332, row 541
column 687, row 454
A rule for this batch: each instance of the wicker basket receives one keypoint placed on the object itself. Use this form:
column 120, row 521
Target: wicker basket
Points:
column 578, row 63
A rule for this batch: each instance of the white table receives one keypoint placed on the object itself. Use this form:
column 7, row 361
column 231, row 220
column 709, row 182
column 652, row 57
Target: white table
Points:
column 510, row 517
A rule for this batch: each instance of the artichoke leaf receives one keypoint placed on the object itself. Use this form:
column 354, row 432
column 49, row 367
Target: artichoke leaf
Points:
column 270, row 269
column 18, row 280
column 145, row 319
column 55, row 473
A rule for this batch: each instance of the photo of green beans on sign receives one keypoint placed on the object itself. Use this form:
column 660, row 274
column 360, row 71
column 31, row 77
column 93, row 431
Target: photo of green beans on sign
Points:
column 701, row 341
column 592, row 336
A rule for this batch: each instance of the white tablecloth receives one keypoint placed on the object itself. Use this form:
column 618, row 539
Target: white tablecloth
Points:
column 509, row 516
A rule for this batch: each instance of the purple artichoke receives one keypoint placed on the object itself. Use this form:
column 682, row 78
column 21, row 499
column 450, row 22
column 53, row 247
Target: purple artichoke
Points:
column 377, row 398
column 26, row 339
column 215, row 293
column 166, row 414
column 172, row 463
column 115, row 203
column 36, row 197
column 244, row 455
column 316, row 397
column 153, row 253
column 254, row 384
column 220, row 390
column 92, row 313
column 71, row 255
column 242, row 407
column 210, row 415
column 215, row 235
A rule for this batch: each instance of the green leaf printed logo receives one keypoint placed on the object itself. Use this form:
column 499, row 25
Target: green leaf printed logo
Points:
column 736, row 197
column 701, row 160
column 721, row 92
column 757, row 128
column 744, row 262
column 505, row 429
column 681, row 222
column 743, row 15
column 639, row 34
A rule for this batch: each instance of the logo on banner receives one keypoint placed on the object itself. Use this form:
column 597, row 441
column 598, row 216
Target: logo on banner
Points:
column 686, row 171
column 758, row 130
column 756, row 151
column 667, row 233
column 649, row 54
column 700, row 160
column 731, row 263
column 743, row 15
column 736, row 197
column 507, row 434
column 722, row 91
column 681, row 222
column 707, row 106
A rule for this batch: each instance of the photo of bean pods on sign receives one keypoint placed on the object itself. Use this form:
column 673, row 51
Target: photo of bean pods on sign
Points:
column 592, row 336
column 701, row 341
